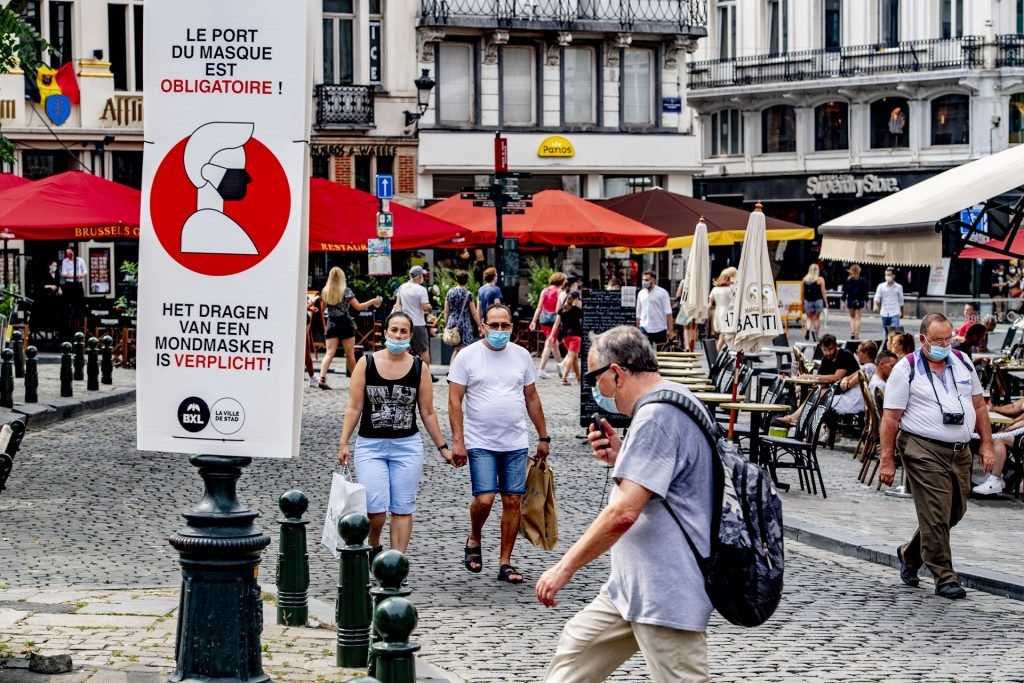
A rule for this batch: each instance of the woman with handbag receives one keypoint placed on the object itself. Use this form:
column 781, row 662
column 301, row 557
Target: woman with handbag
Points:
column 460, row 315
column 544, row 315
column 568, row 329
column 386, row 388
column 339, row 300
column 855, row 295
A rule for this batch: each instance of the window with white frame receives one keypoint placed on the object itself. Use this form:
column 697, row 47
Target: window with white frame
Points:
column 832, row 24
column 124, row 37
column 456, row 84
column 951, row 120
column 951, row 18
column 53, row 20
column 339, row 53
column 889, row 22
column 638, row 87
column 579, row 85
column 726, row 133
column 726, row 29
column 518, row 85
column 1020, row 17
column 831, row 127
column 778, row 129
column 890, row 123
column 778, row 32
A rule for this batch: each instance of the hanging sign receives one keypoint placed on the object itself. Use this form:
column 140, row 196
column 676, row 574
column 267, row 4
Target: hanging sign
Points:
column 938, row 277
column 222, row 238
column 385, row 224
column 378, row 253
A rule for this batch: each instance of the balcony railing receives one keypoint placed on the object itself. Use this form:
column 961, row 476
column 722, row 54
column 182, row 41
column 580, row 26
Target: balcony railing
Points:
column 846, row 62
column 1011, row 50
column 677, row 15
column 344, row 106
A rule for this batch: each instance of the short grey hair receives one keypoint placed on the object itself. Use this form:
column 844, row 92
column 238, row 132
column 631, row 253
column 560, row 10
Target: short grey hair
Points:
column 626, row 346
column 932, row 318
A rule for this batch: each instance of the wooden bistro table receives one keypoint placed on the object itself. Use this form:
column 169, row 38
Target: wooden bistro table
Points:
column 1000, row 419
column 757, row 411
column 712, row 398
column 679, row 354
column 681, row 372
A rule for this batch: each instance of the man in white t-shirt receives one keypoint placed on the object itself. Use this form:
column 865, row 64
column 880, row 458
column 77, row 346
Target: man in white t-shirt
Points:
column 654, row 311
column 489, row 384
column 413, row 300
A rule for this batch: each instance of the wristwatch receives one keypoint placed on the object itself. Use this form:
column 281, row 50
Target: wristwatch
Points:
column 544, row 439
column 442, row 447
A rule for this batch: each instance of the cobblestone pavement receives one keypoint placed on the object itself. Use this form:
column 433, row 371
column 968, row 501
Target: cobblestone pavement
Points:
column 83, row 508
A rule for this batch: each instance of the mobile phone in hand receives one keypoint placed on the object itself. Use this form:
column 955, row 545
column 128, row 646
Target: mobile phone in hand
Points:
column 598, row 425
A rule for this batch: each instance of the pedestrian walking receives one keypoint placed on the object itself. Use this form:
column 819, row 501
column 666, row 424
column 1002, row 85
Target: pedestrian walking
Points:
column 490, row 293
column 460, row 312
column 339, row 301
column 855, row 295
column 998, row 290
column 568, row 328
column 889, row 301
column 815, row 301
column 718, row 301
column 657, row 606
column 544, row 316
column 654, row 310
column 933, row 406
column 489, row 385
column 686, row 324
column 386, row 388
column 412, row 299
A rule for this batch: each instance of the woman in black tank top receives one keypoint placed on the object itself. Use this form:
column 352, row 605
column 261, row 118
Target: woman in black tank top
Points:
column 386, row 388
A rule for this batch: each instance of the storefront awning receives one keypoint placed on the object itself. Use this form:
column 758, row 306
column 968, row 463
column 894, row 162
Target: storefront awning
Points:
column 901, row 229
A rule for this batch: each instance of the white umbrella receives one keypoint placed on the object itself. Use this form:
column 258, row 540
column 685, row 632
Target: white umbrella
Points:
column 696, row 286
column 754, row 307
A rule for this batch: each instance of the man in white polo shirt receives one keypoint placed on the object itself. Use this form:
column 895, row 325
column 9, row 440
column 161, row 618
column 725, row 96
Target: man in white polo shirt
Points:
column 933, row 406
column 654, row 311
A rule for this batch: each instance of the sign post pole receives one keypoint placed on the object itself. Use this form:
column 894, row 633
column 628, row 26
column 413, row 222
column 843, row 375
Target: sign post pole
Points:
column 498, row 190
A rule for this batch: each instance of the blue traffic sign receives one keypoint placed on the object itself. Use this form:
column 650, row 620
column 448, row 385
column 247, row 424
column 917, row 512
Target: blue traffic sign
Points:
column 385, row 186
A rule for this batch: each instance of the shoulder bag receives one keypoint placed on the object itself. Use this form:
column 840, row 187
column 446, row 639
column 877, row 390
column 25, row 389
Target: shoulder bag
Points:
column 451, row 335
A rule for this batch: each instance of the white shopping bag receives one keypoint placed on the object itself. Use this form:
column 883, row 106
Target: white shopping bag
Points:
column 346, row 496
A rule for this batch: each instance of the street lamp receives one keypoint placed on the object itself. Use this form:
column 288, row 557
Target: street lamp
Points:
column 424, row 84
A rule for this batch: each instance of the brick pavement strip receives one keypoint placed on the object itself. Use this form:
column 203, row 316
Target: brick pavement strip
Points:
column 84, row 510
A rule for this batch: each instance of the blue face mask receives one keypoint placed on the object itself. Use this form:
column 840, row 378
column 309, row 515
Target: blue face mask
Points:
column 395, row 346
column 605, row 403
column 938, row 353
column 498, row 339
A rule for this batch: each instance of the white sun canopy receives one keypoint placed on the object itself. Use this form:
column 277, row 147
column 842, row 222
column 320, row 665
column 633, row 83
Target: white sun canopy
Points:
column 900, row 229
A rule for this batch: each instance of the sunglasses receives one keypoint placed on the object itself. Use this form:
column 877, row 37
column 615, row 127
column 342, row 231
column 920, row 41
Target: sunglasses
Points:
column 592, row 376
column 504, row 327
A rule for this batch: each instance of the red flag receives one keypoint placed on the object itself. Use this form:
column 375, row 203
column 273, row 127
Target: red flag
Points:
column 68, row 83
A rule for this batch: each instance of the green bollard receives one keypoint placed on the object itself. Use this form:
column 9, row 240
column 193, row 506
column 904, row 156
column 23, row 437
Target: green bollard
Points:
column 352, row 613
column 390, row 568
column 292, row 561
column 395, row 618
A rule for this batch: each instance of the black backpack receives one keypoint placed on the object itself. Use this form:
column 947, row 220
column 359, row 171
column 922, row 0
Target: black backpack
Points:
column 743, row 574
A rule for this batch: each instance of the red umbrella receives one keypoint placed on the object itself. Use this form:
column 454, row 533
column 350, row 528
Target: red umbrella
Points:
column 342, row 219
column 988, row 255
column 70, row 206
column 9, row 180
column 557, row 219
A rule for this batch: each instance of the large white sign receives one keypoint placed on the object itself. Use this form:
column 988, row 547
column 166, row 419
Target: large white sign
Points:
column 222, row 247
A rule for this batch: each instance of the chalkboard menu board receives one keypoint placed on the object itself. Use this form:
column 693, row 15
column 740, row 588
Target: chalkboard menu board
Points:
column 601, row 311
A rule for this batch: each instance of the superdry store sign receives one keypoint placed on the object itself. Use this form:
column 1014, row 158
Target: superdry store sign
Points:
column 222, row 243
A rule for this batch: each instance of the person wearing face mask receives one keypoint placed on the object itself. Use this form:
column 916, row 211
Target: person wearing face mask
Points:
column 386, row 388
column 490, row 383
column 933, row 406
column 654, row 310
column 665, row 460
column 889, row 301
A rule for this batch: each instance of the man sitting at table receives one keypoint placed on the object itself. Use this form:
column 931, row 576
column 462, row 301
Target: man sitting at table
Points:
column 885, row 361
column 836, row 364
column 1002, row 441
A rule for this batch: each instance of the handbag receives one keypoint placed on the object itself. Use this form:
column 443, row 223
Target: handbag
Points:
column 547, row 318
column 451, row 335
column 538, row 522
column 347, row 496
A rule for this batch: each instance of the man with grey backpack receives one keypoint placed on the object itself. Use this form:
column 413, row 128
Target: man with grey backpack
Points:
column 683, row 525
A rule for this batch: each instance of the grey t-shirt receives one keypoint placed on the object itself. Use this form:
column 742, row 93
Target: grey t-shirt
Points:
column 655, row 578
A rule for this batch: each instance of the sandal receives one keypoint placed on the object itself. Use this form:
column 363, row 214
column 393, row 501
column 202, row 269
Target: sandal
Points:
column 507, row 571
column 323, row 384
column 473, row 556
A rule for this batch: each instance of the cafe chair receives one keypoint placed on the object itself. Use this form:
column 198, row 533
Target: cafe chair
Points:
column 774, row 395
column 710, row 348
column 1011, row 335
column 801, row 451
column 869, row 419
column 727, row 376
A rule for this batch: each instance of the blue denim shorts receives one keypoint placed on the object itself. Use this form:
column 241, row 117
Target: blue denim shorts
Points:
column 498, row 471
column 390, row 470
column 816, row 306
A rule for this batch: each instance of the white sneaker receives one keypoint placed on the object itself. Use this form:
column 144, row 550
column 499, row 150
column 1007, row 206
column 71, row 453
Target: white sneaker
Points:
column 980, row 479
column 991, row 486
column 312, row 381
column 544, row 374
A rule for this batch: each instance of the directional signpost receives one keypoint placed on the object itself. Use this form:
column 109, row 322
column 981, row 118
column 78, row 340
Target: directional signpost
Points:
column 385, row 186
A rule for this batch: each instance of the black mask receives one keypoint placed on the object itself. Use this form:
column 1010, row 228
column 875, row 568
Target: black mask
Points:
column 234, row 185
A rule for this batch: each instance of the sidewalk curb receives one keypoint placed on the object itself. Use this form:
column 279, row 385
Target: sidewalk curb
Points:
column 324, row 613
column 861, row 548
column 52, row 410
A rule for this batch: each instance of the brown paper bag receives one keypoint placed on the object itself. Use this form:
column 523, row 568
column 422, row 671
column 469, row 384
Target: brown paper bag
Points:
column 539, row 520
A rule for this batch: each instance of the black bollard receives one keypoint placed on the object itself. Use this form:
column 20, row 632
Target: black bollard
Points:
column 79, row 346
column 7, row 379
column 390, row 568
column 10, row 440
column 65, row 370
column 31, row 376
column 395, row 619
column 92, row 373
column 107, row 362
column 18, row 346
column 292, row 561
column 221, row 615
column 353, row 607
